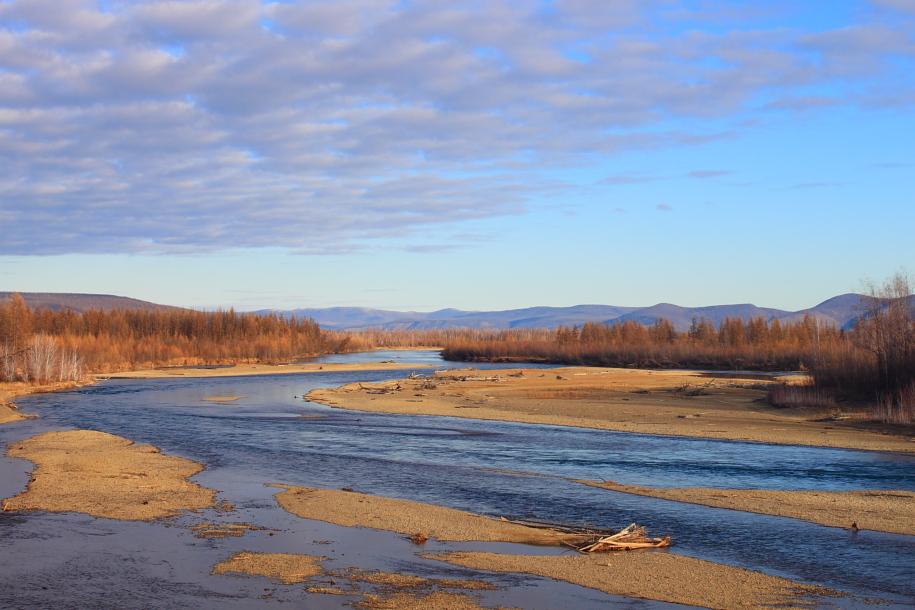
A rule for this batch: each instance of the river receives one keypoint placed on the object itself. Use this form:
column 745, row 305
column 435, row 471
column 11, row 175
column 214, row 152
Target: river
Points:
column 70, row 560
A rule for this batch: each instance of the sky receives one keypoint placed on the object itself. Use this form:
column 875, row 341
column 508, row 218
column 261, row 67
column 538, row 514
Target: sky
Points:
column 482, row 155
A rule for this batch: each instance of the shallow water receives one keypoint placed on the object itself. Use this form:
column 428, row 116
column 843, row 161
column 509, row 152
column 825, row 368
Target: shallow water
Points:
column 261, row 439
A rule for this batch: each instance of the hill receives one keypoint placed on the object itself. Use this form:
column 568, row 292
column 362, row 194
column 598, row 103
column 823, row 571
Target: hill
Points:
column 57, row 301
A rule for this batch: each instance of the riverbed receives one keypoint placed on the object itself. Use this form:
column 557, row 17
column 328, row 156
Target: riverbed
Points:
column 270, row 434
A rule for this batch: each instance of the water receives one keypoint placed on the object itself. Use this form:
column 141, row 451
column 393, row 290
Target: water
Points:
column 262, row 439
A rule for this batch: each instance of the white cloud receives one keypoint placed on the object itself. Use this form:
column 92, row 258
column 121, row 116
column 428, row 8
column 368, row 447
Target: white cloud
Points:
column 204, row 124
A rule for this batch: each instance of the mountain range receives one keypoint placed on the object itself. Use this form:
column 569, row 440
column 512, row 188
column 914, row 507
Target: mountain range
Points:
column 841, row 311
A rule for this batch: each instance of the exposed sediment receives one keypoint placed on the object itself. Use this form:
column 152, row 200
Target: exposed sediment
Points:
column 885, row 511
column 651, row 575
column 402, row 516
column 106, row 476
column 677, row 403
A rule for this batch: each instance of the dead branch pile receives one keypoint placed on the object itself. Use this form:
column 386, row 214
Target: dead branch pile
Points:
column 631, row 538
column 593, row 540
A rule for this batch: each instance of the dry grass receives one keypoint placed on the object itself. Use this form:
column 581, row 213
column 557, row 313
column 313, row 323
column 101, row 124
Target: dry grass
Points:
column 898, row 409
column 799, row 396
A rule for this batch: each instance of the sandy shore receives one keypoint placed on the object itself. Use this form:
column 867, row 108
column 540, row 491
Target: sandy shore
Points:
column 243, row 370
column 106, row 476
column 652, row 575
column 359, row 510
column 649, row 575
column 9, row 413
column 884, row 511
column 11, row 390
column 680, row 403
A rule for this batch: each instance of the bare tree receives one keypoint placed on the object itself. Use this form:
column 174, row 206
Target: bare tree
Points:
column 887, row 329
column 42, row 359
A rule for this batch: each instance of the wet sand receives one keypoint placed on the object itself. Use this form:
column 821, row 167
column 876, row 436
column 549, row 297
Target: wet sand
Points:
column 651, row 575
column 106, row 476
column 242, row 370
column 352, row 509
column 678, row 403
column 378, row 589
column 884, row 511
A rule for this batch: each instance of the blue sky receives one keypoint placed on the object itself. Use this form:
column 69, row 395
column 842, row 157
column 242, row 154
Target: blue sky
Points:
column 479, row 155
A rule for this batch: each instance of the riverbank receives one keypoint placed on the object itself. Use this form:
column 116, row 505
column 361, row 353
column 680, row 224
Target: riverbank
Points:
column 243, row 370
column 677, row 403
column 9, row 411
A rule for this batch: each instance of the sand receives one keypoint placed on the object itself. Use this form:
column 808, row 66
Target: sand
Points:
column 884, row 511
column 385, row 589
column 680, row 403
column 106, row 476
column 285, row 567
column 352, row 509
column 243, row 370
column 9, row 413
column 650, row 575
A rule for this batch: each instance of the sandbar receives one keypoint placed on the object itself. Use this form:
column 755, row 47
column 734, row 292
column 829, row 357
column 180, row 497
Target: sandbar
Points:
column 352, row 509
column 386, row 590
column 651, row 575
column 879, row 510
column 678, row 403
column 106, row 476
column 244, row 370
column 282, row 566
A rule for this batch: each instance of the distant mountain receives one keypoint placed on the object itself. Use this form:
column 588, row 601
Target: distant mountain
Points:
column 841, row 311
column 56, row 301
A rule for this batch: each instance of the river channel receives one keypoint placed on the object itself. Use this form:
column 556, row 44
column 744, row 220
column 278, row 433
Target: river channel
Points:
column 69, row 560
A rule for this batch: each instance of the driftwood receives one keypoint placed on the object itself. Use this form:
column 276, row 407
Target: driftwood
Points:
column 631, row 538
column 593, row 540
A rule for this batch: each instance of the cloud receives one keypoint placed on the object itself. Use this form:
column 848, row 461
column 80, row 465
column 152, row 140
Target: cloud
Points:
column 432, row 248
column 198, row 125
column 705, row 174
column 662, row 207
column 803, row 103
column 906, row 6
column 629, row 179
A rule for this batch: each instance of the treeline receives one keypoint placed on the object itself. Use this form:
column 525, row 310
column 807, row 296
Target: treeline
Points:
column 873, row 362
column 41, row 345
column 733, row 344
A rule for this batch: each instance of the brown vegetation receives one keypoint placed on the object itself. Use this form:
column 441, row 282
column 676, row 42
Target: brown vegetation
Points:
column 734, row 345
column 40, row 345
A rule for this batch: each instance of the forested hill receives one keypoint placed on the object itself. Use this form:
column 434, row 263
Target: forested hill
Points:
column 56, row 301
